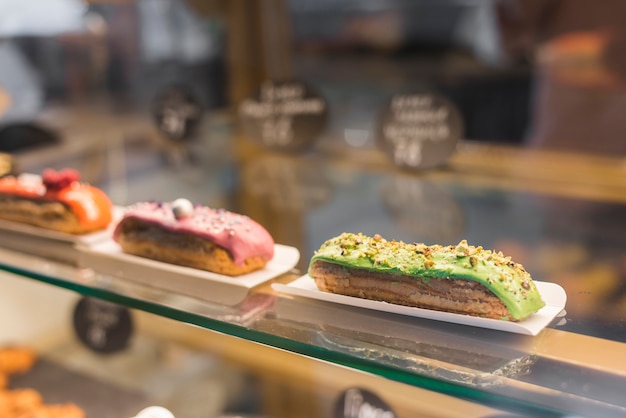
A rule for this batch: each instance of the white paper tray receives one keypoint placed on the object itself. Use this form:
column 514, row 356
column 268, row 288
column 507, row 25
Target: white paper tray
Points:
column 552, row 294
column 107, row 258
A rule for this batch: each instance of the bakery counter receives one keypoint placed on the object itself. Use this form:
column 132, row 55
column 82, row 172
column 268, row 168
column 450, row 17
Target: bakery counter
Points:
column 559, row 215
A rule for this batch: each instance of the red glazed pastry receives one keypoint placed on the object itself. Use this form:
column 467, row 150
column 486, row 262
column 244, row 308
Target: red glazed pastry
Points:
column 195, row 236
column 56, row 201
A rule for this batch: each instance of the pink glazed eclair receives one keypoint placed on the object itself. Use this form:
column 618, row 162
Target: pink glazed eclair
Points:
column 195, row 236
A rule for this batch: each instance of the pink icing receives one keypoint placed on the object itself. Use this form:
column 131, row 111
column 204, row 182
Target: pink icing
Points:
column 239, row 234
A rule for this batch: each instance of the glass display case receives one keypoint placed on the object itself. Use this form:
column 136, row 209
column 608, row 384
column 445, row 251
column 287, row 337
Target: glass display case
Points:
column 282, row 111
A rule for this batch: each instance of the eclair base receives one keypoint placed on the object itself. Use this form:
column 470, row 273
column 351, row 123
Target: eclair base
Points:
column 442, row 294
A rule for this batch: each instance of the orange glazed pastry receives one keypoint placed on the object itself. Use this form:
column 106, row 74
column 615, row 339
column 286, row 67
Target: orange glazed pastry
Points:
column 14, row 360
column 26, row 402
column 66, row 410
column 17, row 399
column 57, row 200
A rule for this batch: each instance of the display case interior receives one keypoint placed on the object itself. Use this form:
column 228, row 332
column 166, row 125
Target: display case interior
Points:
column 523, row 373
column 421, row 122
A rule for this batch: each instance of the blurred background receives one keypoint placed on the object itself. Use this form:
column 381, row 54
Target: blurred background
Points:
column 278, row 109
column 538, row 73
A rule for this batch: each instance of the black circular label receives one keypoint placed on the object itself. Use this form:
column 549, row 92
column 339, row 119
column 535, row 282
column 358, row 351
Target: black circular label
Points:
column 177, row 113
column 419, row 130
column 284, row 115
column 102, row 326
column 361, row 403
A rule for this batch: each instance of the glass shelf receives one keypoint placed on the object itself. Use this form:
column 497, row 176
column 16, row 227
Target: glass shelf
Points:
column 565, row 227
column 501, row 370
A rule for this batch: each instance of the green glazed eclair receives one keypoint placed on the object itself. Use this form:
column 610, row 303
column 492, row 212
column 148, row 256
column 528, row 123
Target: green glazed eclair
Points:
column 458, row 278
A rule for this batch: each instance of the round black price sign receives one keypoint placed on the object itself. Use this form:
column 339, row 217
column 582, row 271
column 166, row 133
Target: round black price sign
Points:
column 177, row 113
column 360, row 403
column 420, row 130
column 102, row 326
column 285, row 115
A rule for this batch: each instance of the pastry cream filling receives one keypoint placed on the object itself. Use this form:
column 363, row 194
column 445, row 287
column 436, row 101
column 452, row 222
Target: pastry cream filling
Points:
column 506, row 279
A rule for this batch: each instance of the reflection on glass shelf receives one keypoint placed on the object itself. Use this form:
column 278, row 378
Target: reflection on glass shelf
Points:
column 86, row 281
column 446, row 351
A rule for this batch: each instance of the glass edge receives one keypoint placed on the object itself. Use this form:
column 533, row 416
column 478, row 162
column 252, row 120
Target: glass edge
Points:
column 372, row 367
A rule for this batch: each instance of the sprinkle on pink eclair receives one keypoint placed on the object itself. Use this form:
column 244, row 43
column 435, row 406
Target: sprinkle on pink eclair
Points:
column 240, row 235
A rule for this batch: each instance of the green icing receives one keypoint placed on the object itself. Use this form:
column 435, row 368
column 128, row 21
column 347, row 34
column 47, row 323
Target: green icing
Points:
column 505, row 278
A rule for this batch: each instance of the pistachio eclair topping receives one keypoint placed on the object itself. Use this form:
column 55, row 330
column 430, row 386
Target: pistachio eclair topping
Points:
column 508, row 280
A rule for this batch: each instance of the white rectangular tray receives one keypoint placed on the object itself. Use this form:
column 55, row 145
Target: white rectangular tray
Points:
column 552, row 294
column 107, row 258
